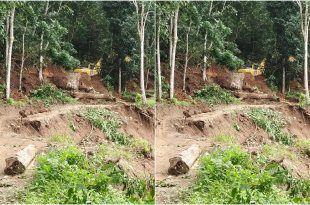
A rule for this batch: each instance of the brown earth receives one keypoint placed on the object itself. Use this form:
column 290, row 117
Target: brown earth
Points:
column 175, row 134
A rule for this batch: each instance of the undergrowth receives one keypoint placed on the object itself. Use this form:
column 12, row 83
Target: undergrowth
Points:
column 231, row 176
column 67, row 176
column 109, row 123
column 49, row 94
column 300, row 97
column 213, row 94
column 272, row 122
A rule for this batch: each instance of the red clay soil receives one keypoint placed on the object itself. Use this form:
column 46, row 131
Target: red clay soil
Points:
column 30, row 80
column 194, row 80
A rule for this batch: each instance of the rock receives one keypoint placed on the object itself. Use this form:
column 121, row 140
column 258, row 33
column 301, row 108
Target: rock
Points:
column 199, row 124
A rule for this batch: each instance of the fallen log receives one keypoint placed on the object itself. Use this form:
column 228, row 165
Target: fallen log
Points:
column 93, row 96
column 186, row 159
column 255, row 96
column 19, row 163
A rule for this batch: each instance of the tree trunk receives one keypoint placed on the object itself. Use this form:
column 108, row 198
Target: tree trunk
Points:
column 41, row 49
column 306, row 66
column 204, row 71
column 9, row 57
column 170, row 41
column 19, row 163
column 142, row 66
column 23, row 58
column 186, row 159
column 147, row 78
column 174, row 47
column 283, row 80
column 186, row 58
column 158, row 63
column 119, row 80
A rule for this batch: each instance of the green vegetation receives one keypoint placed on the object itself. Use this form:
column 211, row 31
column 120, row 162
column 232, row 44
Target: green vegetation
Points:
column 300, row 97
column 227, row 139
column 61, row 138
column 177, row 102
column 231, row 176
column 115, row 151
column 67, row 176
column 150, row 102
column 109, row 123
column 304, row 146
column 213, row 94
column 278, row 151
column 18, row 103
column 49, row 94
column 129, row 96
column 272, row 122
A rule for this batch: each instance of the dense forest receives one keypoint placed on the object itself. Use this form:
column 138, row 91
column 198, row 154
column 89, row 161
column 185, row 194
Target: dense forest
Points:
column 135, row 38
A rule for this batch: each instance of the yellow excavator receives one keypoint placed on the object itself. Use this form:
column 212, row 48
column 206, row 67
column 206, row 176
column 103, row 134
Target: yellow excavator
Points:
column 255, row 69
column 91, row 69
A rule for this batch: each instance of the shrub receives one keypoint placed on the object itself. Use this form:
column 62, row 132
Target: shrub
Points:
column 272, row 122
column 231, row 176
column 300, row 97
column 67, row 176
column 214, row 94
column 49, row 94
column 108, row 122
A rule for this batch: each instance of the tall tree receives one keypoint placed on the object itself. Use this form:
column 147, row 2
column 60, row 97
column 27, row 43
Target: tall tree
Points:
column 9, row 48
column 174, row 48
column 304, row 22
column 142, row 14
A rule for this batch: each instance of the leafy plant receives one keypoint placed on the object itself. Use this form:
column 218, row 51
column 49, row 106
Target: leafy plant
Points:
column 303, row 145
column 227, row 139
column 49, row 94
column 231, row 176
column 67, row 176
column 141, row 146
column 108, row 82
column 300, row 97
column 129, row 96
column 108, row 122
column 272, row 122
column 61, row 138
column 150, row 102
column 213, row 94
column 177, row 102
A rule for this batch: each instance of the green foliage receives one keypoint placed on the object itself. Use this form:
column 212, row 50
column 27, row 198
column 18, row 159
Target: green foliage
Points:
column 213, row 94
column 108, row 82
column 177, row 102
column 231, row 176
column 66, row 176
column 2, row 90
column 61, row 138
column 303, row 145
column 227, row 139
column 300, row 97
column 115, row 151
column 129, row 96
column 141, row 146
column 272, row 122
column 108, row 122
column 150, row 102
column 49, row 94
column 278, row 151
column 17, row 103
